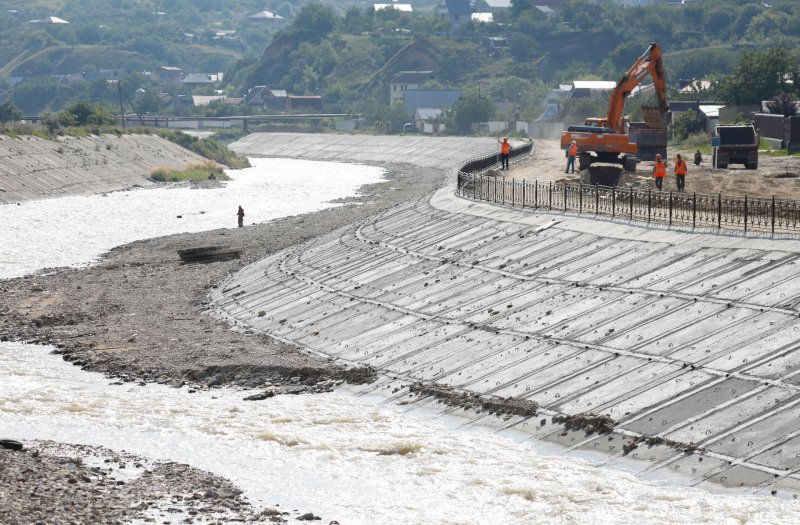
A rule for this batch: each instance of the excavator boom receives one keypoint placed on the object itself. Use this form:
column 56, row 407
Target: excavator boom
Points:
column 649, row 63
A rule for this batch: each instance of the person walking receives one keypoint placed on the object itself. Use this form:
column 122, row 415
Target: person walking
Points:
column 698, row 158
column 572, row 152
column 240, row 214
column 659, row 172
column 680, row 172
column 505, row 151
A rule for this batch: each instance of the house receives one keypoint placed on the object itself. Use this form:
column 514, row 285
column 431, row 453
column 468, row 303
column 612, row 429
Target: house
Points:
column 496, row 42
column 424, row 117
column 256, row 96
column 193, row 80
column 407, row 80
column 304, row 102
column 50, row 20
column 454, row 11
column 694, row 86
column 492, row 6
column 169, row 73
column 430, row 98
column 267, row 18
column 275, row 99
column 405, row 8
column 482, row 18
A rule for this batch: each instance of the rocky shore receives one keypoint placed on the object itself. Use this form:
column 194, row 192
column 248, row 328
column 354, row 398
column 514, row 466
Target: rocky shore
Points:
column 141, row 315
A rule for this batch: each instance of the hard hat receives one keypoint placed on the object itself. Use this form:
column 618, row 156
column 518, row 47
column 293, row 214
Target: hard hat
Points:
column 573, row 142
column 505, row 138
column 658, row 156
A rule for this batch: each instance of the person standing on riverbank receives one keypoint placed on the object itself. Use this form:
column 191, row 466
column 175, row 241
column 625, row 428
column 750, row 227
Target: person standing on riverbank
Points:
column 572, row 152
column 240, row 214
column 505, row 151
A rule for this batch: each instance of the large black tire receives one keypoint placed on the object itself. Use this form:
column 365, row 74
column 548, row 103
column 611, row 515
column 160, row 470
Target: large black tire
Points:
column 722, row 166
column 629, row 163
column 752, row 166
column 10, row 444
column 584, row 161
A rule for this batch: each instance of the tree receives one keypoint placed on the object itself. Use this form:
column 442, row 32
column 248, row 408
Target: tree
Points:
column 762, row 75
column 9, row 112
column 82, row 113
column 469, row 110
column 688, row 123
column 783, row 104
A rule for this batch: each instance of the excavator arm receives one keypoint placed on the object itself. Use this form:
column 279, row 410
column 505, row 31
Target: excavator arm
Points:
column 649, row 63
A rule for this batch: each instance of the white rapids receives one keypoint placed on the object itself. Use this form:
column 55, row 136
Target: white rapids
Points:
column 346, row 458
column 71, row 231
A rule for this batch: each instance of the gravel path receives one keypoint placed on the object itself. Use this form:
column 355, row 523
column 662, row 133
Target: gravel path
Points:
column 140, row 315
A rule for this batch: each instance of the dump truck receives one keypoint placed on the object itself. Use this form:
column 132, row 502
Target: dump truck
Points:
column 737, row 145
column 606, row 141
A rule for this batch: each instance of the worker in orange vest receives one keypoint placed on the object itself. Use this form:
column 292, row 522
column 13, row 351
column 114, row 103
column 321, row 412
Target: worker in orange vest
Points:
column 659, row 172
column 572, row 152
column 680, row 171
column 505, row 151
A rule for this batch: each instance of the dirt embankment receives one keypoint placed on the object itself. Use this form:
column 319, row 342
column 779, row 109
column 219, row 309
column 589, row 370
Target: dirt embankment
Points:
column 778, row 176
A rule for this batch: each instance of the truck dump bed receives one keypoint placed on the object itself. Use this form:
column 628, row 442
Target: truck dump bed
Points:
column 736, row 135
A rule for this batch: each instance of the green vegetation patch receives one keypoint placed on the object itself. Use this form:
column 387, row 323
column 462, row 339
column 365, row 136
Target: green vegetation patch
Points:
column 207, row 147
column 194, row 171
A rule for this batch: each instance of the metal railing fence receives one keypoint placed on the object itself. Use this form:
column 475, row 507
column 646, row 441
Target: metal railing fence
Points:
column 687, row 209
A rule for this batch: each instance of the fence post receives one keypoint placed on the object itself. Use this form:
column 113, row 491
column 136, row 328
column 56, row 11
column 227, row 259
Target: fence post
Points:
column 648, row 204
column 719, row 211
column 505, row 183
column 670, row 208
column 565, row 196
column 613, row 202
column 773, row 214
column 745, row 213
column 596, row 200
column 535, row 194
column 694, row 209
column 580, row 198
column 523, row 193
column 551, row 196
column 513, row 192
column 631, row 204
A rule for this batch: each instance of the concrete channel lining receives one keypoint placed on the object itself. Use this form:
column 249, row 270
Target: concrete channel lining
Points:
column 687, row 341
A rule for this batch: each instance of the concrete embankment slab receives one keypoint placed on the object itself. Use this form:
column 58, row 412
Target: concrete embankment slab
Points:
column 688, row 341
column 32, row 168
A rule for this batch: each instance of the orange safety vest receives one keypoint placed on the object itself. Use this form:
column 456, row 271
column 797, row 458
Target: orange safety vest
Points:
column 660, row 170
column 505, row 148
column 573, row 150
column 680, row 167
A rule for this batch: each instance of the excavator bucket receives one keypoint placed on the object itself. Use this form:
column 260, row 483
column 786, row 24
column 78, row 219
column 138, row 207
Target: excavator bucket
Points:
column 653, row 117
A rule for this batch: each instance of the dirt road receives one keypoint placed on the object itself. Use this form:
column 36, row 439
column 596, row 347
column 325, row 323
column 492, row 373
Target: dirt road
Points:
column 778, row 176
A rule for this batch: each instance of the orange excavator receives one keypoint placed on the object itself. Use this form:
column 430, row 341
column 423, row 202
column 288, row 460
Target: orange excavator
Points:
column 606, row 140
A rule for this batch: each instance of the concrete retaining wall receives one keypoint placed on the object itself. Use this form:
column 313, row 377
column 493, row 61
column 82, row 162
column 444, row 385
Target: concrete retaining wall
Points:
column 688, row 340
column 33, row 168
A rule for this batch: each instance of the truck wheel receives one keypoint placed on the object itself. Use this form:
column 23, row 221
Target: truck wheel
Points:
column 629, row 163
column 722, row 166
column 752, row 166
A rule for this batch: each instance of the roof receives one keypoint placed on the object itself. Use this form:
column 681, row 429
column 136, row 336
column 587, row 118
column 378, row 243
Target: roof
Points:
column 49, row 20
column 429, row 98
column 546, row 9
column 170, row 68
column 412, row 77
column 406, row 8
column 458, row 7
column 427, row 113
column 486, row 18
column 692, row 86
column 711, row 110
column 497, row 4
column 278, row 93
column 594, row 84
column 265, row 15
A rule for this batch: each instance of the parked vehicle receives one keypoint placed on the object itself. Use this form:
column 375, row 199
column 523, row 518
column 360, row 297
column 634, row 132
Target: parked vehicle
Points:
column 737, row 145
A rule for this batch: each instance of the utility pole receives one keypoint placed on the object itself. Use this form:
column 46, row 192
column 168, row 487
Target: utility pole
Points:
column 121, row 111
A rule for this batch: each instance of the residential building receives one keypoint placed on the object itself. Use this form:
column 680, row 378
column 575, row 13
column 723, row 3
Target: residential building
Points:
column 407, row 80
column 47, row 21
column 482, row 18
column 169, row 73
column 256, row 96
column 454, row 11
column 193, row 80
column 424, row 117
column 267, row 18
column 303, row 102
column 492, row 6
column 590, row 88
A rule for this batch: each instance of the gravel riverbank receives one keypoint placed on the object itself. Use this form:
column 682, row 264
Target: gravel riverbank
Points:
column 140, row 315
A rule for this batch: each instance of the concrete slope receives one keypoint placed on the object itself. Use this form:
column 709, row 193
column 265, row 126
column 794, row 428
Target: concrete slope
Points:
column 33, row 168
column 687, row 342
